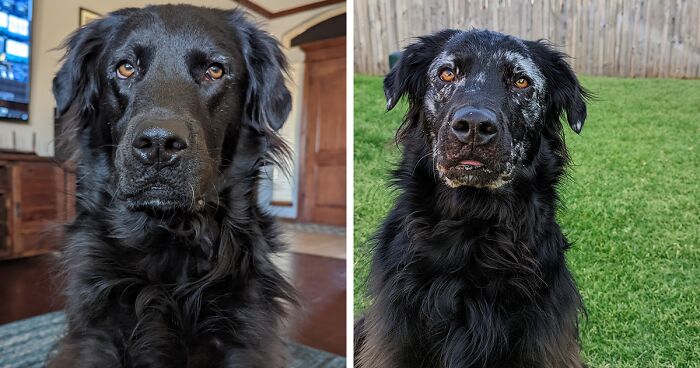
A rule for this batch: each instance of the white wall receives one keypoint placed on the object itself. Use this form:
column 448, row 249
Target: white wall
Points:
column 54, row 20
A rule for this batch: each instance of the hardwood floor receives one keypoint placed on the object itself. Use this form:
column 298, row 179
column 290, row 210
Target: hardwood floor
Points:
column 320, row 282
column 27, row 289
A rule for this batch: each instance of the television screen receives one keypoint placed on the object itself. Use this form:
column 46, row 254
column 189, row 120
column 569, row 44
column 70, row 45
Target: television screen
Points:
column 15, row 32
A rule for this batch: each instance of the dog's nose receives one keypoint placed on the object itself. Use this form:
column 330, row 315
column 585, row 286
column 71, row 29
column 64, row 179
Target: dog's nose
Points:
column 160, row 142
column 469, row 123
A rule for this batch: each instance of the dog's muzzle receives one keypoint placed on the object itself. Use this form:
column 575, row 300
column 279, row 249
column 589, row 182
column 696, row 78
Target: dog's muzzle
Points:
column 162, row 167
column 471, row 149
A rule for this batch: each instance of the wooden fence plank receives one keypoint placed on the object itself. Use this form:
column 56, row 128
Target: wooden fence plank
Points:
column 650, row 38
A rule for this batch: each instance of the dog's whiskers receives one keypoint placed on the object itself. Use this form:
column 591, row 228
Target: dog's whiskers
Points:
column 193, row 200
column 418, row 162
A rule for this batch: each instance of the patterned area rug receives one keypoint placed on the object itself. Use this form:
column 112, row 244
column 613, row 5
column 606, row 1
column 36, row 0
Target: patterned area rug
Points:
column 25, row 344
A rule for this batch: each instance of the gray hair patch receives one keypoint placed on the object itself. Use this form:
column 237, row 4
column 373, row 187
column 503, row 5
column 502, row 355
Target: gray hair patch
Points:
column 441, row 60
column 524, row 64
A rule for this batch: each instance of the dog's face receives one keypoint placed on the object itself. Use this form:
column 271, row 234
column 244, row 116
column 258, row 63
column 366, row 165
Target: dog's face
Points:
column 164, row 92
column 484, row 98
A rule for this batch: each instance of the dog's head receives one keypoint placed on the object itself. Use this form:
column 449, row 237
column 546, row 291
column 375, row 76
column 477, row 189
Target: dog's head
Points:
column 484, row 101
column 165, row 96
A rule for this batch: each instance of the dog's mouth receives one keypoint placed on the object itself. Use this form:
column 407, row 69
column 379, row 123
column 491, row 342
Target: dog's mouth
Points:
column 163, row 197
column 472, row 172
column 469, row 164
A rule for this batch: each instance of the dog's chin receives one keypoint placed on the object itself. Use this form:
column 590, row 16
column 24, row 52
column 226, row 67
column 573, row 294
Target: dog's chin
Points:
column 473, row 176
column 163, row 200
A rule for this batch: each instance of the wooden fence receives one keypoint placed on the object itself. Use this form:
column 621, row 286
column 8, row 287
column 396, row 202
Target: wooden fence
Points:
column 624, row 38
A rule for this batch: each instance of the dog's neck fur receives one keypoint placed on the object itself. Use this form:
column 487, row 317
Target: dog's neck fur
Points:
column 181, row 254
column 232, row 213
column 507, row 241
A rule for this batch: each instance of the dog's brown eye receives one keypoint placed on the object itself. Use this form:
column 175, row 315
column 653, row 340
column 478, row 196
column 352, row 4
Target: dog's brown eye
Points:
column 125, row 70
column 521, row 83
column 447, row 75
column 215, row 71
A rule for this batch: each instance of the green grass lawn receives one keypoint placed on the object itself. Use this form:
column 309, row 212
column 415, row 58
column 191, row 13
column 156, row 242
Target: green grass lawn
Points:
column 632, row 213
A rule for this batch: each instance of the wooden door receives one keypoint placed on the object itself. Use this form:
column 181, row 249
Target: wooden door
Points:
column 322, row 195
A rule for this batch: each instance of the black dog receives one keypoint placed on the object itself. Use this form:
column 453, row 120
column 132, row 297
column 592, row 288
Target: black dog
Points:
column 469, row 267
column 175, row 111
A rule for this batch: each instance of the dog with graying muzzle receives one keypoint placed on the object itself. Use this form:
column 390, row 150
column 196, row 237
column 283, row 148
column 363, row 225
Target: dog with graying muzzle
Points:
column 469, row 266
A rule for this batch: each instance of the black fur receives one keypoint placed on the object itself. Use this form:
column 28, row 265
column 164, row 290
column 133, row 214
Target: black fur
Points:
column 190, row 284
column 475, row 275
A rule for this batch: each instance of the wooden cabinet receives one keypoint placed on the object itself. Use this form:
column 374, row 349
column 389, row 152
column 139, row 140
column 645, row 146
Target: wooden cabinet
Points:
column 36, row 198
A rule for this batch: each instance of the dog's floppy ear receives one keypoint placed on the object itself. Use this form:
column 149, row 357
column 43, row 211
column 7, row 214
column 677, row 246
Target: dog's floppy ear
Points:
column 76, row 86
column 565, row 92
column 408, row 76
column 77, row 80
column 268, row 100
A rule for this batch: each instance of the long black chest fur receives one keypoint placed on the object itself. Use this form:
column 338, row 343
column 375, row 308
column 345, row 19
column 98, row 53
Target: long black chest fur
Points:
column 470, row 278
column 201, row 294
